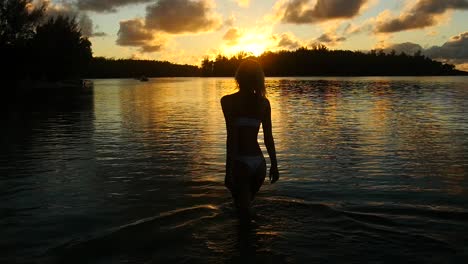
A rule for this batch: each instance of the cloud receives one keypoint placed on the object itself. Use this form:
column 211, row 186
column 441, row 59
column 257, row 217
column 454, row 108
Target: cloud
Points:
column 463, row 67
column 151, row 48
column 329, row 39
column 68, row 10
column 229, row 22
column 243, row 3
column 287, row 41
column 424, row 13
column 134, row 33
column 350, row 29
column 105, row 5
column 86, row 26
column 168, row 17
column 406, row 47
column 297, row 11
column 232, row 36
column 454, row 51
column 182, row 16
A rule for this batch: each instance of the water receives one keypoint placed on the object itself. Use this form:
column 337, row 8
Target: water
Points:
column 372, row 170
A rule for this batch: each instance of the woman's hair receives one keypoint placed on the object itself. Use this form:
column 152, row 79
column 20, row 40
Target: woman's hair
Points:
column 250, row 77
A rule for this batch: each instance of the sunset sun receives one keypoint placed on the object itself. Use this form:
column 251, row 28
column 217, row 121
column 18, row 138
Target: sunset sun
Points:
column 255, row 48
column 253, row 42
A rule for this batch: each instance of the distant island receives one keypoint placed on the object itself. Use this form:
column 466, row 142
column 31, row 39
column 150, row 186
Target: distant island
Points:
column 315, row 61
column 320, row 61
column 101, row 67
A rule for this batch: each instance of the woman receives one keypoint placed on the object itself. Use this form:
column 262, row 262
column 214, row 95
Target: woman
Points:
column 244, row 111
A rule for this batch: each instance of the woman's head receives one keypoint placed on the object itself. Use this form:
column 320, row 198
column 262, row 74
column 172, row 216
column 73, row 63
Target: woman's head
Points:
column 250, row 77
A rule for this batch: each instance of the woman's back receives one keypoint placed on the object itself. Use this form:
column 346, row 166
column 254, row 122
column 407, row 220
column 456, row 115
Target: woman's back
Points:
column 246, row 113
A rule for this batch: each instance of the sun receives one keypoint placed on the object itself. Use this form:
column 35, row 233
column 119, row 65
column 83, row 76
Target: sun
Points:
column 253, row 43
column 255, row 48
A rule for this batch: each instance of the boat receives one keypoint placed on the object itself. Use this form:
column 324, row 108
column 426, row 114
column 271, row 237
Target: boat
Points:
column 143, row 78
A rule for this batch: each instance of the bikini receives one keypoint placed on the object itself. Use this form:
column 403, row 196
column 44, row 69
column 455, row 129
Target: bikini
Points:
column 252, row 162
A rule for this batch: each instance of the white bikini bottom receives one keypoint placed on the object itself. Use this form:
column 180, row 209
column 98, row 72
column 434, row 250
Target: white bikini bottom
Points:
column 252, row 162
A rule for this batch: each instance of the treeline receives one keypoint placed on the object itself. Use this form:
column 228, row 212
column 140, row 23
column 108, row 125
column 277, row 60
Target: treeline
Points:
column 34, row 46
column 320, row 61
column 128, row 68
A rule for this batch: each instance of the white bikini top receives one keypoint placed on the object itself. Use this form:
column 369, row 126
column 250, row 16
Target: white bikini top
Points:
column 248, row 121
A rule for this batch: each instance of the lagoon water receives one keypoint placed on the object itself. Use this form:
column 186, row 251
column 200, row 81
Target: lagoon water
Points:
column 373, row 170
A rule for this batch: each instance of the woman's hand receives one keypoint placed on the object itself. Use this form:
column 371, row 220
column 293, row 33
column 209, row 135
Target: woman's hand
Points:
column 274, row 174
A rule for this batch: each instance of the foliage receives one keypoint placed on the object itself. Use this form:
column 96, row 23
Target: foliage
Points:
column 127, row 68
column 33, row 47
column 18, row 21
column 320, row 61
column 60, row 50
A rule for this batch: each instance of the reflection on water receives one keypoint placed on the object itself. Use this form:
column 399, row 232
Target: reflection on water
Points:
column 372, row 170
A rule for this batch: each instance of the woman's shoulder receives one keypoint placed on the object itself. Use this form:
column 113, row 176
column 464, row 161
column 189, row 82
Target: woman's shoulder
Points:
column 227, row 101
column 265, row 102
column 228, row 98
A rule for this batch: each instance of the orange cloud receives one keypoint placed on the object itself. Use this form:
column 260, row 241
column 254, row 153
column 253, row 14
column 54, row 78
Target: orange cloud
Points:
column 232, row 36
column 182, row 16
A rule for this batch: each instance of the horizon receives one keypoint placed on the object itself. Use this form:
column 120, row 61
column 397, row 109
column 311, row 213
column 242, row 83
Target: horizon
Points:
column 186, row 31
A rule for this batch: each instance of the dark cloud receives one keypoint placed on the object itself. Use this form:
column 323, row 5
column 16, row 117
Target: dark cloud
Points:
column 454, row 51
column 287, row 41
column 182, row 16
column 423, row 14
column 300, row 12
column 329, row 39
column 134, row 33
column 232, row 36
column 151, row 48
column 105, row 5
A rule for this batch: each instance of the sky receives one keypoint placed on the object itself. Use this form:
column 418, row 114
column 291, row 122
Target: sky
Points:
column 186, row 31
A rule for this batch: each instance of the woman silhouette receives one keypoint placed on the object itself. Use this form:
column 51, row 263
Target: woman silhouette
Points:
column 244, row 111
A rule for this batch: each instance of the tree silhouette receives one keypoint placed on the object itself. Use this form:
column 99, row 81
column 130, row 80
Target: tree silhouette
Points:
column 126, row 68
column 320, row 61
column 60, row 50
column 18, row 21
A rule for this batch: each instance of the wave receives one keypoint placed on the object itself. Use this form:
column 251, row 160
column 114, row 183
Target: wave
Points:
column 284, row 229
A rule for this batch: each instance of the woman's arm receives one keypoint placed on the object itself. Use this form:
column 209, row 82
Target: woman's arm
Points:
column 227, row 111
column 269, row 142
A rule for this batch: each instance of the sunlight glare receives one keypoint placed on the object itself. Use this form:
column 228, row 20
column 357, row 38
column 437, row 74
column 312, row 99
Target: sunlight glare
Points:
column 252, row 43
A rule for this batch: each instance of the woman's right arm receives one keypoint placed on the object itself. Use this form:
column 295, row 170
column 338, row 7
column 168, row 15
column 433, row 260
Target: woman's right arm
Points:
column 225, row 104
column 269, row 142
